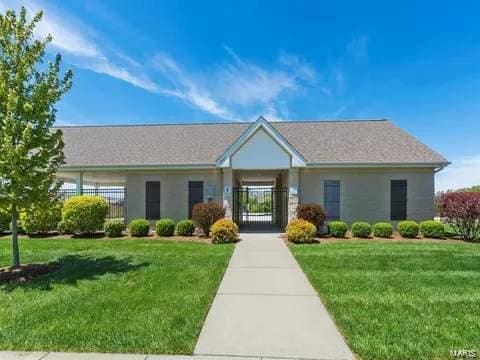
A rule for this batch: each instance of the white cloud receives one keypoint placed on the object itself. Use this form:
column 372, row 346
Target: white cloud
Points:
column 232, row 87
column 238, row 84
column 357, row 47
column 72, row 37
column 245, row 83
column 461, row 173
column 186, row 88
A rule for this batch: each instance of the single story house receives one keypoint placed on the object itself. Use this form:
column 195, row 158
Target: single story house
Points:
column 367, row 170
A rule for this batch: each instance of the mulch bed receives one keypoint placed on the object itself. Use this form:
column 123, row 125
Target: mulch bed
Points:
column 25, row 273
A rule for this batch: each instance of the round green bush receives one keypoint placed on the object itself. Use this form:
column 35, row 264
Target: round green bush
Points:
column 185, row 228
column 5, row 219
column 337, row 229
column 383, row 230
column 165, row 227
column 361, row 229
column 84, row 214
column 42, row 218
column 114, row 228
column 408, row 229
column 139, row 227
column 300, row 231
column 432, row 229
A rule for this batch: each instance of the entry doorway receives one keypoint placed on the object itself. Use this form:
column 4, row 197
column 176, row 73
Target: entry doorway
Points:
column 260, row 207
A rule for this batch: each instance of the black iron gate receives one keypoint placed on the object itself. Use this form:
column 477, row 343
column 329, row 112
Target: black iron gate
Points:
column 260, row 208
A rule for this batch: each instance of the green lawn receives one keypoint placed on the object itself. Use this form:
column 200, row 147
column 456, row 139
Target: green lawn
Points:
column 140, row 296
column 399, row 300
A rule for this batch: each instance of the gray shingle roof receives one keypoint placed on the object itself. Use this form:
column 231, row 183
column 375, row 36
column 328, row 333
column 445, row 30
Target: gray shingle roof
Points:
column 376, row 141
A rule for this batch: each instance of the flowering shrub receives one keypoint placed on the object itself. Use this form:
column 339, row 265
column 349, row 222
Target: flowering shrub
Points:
column 205, row 215
column 313, row 213
column 300, row 231
column 462, row 212
column 224, row 231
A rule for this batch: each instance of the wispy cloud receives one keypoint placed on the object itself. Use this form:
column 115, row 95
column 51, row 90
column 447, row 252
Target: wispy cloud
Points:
column 357, row 47
column 232, row 89
column 186, row 87
column 238, row 84
column 72, row 37
column 463, row 172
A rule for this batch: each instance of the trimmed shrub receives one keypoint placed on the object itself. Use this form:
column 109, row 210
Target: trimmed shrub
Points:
column 165, row 227
column 408, row 229
column 432, row 229
column 312, row 213
column 114, row 228
column 5, row 220
column 462, row 212
column 139, row 227
column 337, row 229
column 42, row 218
column 383, row 230
column 361, row 229
column 204, row 215
column 224, row 231
column 84, row 214
column 185, row 228
column 300, row 231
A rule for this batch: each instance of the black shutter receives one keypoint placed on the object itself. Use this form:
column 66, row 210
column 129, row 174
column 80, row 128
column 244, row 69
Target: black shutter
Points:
column 152, row 200
column 398, row 200
column 195, row 195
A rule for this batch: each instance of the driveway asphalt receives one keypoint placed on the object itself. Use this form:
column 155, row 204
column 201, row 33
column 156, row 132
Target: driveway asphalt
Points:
column 265, row 307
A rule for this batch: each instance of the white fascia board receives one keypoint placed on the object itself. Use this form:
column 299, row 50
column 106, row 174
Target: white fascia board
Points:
column 297, row 159
column 401, row 164
column 68, row 168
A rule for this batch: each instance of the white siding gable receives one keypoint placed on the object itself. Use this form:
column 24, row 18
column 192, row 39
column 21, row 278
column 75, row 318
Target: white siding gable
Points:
column 260, row 151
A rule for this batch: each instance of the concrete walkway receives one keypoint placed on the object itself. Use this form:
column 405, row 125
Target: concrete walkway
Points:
column 265, row 307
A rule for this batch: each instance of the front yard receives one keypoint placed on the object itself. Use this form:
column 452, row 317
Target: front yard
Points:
column 136, row 296
column 399, row 300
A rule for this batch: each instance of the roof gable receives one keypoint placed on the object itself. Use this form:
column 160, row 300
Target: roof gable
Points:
column 297, row 160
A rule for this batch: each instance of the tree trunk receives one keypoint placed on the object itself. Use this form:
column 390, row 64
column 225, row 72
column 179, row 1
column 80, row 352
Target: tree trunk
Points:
column 15, row 250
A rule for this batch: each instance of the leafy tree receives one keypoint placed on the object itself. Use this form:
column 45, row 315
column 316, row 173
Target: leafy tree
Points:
column 30, row 151
column 462, row 212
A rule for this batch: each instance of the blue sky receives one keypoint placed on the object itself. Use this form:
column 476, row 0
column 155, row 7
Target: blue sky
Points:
column 416, row 63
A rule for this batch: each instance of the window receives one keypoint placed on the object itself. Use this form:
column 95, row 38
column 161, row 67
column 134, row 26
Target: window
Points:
column 398, row 200
column 195, row 195
column 152, row 200
column 331, row 199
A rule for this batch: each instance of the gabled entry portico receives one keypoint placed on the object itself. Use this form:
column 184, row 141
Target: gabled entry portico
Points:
column 260, row 178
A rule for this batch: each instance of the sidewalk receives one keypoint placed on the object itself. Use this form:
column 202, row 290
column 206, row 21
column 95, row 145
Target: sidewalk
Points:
column 265, row 307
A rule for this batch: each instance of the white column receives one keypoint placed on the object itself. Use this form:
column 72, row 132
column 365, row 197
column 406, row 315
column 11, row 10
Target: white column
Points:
column 293, row 183
column 79, row 183
column 228, row 192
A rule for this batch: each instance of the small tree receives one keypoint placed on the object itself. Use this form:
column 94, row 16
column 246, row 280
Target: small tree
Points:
column 462, row 211
column 30, row 152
